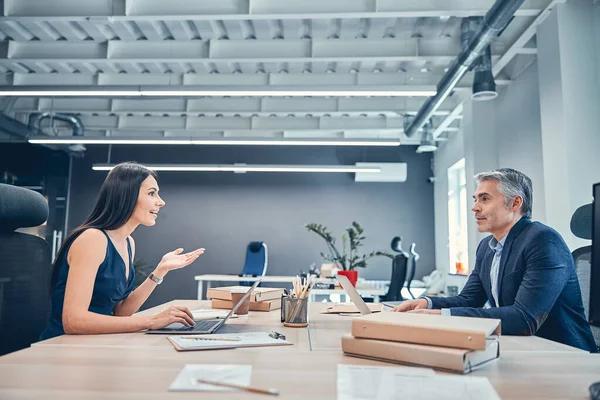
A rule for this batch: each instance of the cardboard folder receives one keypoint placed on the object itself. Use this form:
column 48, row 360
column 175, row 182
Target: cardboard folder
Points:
column 258, row 294
column 268, row 305
column 457, row 360
column 436, row 330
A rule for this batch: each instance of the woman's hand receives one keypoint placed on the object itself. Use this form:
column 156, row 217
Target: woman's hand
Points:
column 172, row 314
column 176, row 260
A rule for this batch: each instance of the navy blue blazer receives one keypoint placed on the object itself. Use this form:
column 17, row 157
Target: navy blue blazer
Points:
column 538, row 288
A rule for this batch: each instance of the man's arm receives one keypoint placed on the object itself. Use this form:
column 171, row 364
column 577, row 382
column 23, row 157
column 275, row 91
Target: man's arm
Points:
column 546, row 273
column 472, row 295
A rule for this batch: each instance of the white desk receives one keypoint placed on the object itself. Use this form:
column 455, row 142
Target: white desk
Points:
column 235, row 278
column 364, row 289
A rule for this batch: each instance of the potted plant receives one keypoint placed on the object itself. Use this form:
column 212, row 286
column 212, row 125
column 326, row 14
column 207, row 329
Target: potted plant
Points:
column 348, row 258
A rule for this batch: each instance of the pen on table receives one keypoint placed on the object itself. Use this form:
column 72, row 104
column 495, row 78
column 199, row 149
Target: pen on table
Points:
column 272, row 392
column 230, row 339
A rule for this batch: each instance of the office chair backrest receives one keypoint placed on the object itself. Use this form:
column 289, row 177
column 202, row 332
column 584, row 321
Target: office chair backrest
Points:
column 25, row 269
column 412, row 268
column 581, row 226
column 399, row 266
column 256, row 259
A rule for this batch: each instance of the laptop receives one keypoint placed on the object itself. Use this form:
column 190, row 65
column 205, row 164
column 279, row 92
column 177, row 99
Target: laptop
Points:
column 203, row 327
column 363, row 308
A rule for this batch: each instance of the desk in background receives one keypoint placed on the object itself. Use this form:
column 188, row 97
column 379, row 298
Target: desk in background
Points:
column 363, row 288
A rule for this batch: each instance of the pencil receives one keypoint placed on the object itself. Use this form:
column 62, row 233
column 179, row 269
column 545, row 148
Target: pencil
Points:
column 272, row 392
column 230, row 339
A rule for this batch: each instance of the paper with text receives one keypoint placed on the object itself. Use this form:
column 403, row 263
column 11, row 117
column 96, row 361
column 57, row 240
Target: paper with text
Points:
column 401, row 383
column 186, row 381
column 209, row 342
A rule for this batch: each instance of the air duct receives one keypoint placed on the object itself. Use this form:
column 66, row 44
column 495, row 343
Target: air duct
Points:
column 494, row 22
column 484, row 86
column 428, row 144
column 35, row 126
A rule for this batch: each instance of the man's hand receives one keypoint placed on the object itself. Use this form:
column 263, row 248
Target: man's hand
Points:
column 410, row 305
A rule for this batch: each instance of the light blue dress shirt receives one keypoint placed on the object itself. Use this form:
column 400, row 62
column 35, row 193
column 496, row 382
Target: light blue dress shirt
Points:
column 497, row 246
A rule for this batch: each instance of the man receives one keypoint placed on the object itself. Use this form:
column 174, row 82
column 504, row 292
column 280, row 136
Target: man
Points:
column 524, row 269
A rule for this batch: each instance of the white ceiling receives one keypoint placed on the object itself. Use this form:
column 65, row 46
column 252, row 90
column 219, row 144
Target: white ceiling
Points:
column 262, row 43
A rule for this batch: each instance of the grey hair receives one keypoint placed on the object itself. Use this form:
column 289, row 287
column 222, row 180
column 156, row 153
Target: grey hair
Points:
column 512, row 183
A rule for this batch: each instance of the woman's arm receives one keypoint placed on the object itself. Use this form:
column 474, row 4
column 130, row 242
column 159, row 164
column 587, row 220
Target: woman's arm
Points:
column 85, row 256
column 134, row 301
column 170, row 261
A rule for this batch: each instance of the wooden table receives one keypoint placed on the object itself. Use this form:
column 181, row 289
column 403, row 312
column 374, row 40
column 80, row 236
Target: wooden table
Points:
column 140, row 366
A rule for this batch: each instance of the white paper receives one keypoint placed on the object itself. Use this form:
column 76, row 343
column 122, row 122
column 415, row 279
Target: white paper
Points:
column 186, row 381
column 247, row 339
column 401, row 383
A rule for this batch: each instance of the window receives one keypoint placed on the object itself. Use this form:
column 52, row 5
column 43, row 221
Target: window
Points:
column 457, row 219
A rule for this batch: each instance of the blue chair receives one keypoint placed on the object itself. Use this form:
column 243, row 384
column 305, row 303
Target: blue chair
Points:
column 256, row 261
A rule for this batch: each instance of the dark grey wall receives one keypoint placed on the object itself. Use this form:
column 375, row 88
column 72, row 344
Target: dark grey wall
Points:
column 222, row 212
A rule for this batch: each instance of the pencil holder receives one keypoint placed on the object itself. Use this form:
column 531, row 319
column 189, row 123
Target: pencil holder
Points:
column 294, row 312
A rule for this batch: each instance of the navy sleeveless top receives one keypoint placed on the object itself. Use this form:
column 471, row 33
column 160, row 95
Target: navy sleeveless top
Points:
column 110, row 287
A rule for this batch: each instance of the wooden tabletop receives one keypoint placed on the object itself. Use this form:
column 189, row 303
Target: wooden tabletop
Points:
column 141, row 366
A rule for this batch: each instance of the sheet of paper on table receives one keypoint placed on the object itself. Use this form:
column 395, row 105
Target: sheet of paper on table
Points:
column 186, row 381
column 401, row 383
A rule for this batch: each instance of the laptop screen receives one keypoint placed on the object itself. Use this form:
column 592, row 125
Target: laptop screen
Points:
column 354, row 295
column 239, row 303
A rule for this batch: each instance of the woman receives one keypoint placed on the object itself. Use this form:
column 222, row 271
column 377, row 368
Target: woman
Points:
column 93, row 273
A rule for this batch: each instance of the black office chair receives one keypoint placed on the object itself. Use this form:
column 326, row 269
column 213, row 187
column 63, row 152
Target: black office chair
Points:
column 399, row 269
column 412, row 268
column 581, row 226
column 25, row 269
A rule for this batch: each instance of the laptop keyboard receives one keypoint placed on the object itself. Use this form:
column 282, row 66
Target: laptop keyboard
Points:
column 200, row 326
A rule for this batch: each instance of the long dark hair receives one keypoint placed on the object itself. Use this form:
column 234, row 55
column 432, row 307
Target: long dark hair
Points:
column 114, row 206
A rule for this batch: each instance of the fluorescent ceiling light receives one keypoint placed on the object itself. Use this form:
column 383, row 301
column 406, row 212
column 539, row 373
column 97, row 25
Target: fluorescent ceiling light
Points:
column 291, row 93
column 214, row 142
column 249, row 168
column 214, row 90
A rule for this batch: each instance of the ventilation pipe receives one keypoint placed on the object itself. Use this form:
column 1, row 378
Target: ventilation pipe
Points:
column 494, row 22
column 427, row 142
column 35, row 122
column 484, row 86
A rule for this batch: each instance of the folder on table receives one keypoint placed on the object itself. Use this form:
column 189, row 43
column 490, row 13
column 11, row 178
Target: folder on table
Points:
column 458, row 332
column 457, row 360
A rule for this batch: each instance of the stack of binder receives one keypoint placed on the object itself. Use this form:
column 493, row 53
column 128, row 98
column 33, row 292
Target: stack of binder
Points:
column 458, row 344
column 261, row 299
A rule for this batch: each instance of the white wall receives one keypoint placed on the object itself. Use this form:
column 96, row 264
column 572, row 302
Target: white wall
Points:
column 447, row 155
column 569, row 102
column 597, row 35
column 519, row 134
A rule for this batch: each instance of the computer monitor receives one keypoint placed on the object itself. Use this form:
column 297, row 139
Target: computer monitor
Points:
column 595, row 268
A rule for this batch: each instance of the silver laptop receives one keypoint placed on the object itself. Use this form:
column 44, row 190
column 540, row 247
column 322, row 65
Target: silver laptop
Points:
column 356, row 299
column 204, row 327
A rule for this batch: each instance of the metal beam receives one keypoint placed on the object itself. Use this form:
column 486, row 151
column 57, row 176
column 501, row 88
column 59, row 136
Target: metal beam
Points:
column 233, row 80
column 230, row 106
column 299, row 50
column 257, row 9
